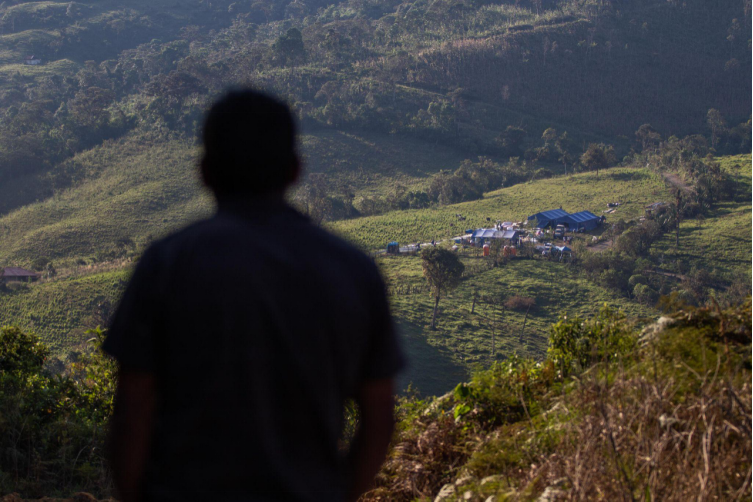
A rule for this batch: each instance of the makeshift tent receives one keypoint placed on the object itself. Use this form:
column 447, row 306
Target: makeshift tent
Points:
column 584, row 220
column 487, row 233
column 547, row 218
column 511, row 235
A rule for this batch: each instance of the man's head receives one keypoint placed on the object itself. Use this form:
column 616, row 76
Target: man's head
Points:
column 249, row 146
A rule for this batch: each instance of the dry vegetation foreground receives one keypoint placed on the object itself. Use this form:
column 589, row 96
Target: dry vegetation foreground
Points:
column 610, row 415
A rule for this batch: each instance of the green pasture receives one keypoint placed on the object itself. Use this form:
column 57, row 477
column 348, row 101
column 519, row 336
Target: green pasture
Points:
column 60, row 67
column 721, row 242
column 633, row 187
column 371, row 164
column 61, row 311
column 133, row 192
column 127, row 192
column 464, row 340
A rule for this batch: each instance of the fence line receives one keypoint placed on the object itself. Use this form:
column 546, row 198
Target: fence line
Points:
column 417, row 289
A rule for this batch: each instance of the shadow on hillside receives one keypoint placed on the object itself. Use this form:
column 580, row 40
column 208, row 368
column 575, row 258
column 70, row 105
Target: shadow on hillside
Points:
column 430, row 370
column 627, row 175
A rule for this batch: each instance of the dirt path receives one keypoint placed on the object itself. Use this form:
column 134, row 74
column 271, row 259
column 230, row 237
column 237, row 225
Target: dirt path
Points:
column 665, row 273
column 601, row 246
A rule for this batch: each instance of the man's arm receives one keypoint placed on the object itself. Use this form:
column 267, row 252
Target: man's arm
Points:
column 376, row 404
column 131, row 431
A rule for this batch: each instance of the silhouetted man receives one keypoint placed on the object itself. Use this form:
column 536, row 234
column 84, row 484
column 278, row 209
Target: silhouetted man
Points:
column 241, row 337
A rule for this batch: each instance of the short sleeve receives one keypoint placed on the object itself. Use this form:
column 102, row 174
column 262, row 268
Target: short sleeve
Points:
column 385, row 357
column 136, row 325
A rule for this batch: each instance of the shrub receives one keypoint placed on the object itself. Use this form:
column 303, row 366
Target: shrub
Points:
column 645, row 294
column 637, row 279
column 52, row 430
column 575, row 344
column 20, row 353
column 520, row 303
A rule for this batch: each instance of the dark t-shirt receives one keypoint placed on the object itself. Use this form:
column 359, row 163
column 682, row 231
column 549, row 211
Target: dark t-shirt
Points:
column 258, row 326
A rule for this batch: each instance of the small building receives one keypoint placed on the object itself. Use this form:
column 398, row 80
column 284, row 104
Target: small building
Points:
column 487, row 233
column 33, row 60
column 582, row 221
column 17, row 274
column 393, row 248
column 549, row 218
column 512, row 236
column 483, row 235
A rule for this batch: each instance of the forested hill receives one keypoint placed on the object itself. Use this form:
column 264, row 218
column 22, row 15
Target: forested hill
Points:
column 377, row 85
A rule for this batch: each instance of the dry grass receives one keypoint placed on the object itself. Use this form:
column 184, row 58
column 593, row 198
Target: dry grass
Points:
column 639, row 443
column 669, row 421
column 421, row 462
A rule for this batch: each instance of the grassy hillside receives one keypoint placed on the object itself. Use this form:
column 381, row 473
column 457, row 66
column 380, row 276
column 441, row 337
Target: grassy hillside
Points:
column 134, row 191
column 721, row 243
column 71, row 229
column 61, row 311
column 634, row 187
column 128, row 191
column 463, row 339
column 459, row 79
column 613, row 413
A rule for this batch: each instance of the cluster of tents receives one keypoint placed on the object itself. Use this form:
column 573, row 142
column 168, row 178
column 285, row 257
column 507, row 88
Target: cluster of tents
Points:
column 582, row 221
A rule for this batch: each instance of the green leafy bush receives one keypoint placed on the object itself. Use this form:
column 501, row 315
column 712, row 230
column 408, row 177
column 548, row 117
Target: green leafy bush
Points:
column 575, row 344
column 52, row 427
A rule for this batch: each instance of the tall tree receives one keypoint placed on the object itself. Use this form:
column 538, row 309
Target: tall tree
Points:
column 549, row 136
column 718, row 126
column 647, row 137
column 443, row 270
column 512, row 139
column 564, row 148
column 289, row 47
column 678, row 216
column 597, row 156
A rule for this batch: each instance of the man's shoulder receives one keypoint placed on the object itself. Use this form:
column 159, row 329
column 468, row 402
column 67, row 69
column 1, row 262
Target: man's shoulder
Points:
column 176, row 239
column 292, row 226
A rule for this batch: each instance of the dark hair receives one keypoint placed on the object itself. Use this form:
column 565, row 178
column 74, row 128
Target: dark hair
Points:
column 249, row 144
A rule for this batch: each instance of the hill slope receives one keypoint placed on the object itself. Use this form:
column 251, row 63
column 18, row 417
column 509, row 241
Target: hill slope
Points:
column 474, row 79
column 719, row 244
column 634, row 187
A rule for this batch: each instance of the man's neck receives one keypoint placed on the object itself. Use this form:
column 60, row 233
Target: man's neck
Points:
column 252, row 203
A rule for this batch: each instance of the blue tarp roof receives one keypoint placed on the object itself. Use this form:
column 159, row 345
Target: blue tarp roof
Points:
column 562, row 248
column 552, row 214
column 487, row 233
column 582, row 216
column 509, row 234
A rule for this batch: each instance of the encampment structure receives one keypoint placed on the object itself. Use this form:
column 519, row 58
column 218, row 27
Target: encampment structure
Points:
column 552, row 217
column 481, row 235
column 580, row 221
column 17, row 274
column 583, row 220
